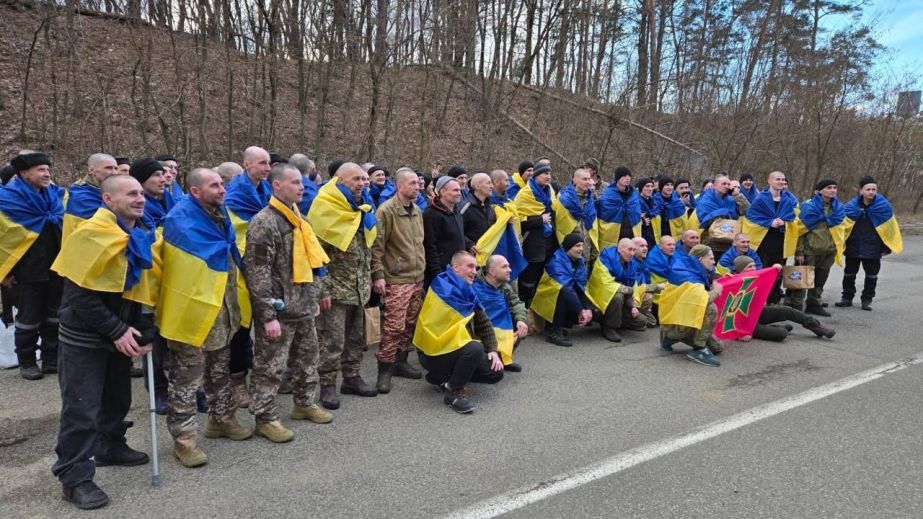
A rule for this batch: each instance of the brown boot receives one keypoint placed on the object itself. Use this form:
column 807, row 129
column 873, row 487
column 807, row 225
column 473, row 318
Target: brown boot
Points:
column 274, row 431
column 239, row 391
column 313, row 412
column 226, row 428
column 187, row 451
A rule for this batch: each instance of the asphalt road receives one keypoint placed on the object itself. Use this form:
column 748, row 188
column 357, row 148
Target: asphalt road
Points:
column 855, row 453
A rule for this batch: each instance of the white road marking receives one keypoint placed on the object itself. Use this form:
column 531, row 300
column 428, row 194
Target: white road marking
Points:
column 519, row 498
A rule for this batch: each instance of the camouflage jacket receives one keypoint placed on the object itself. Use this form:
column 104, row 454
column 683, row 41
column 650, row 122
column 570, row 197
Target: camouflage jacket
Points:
column 268, row 265
column 228, row 320
column 349, row 273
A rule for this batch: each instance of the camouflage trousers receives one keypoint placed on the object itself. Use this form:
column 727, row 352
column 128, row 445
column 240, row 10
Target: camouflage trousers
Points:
column 618, row 315
column 342, row 332
column 695, row 337
column 189, row 368
column 296, row 350
column 402, row 307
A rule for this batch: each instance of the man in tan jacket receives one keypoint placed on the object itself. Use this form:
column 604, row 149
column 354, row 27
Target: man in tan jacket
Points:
column 398, row 262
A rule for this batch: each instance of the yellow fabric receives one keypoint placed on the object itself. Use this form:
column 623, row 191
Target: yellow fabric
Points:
column 757, row 233
column 638, row 292
column 890, row 233
column 677, row 226
column 838, row 233
column 191, row 296
column 487, row 243
column 692, row 222
column 147, row 290
column 545, row 300
column 15, row 240
column 655, row 279
column 683, row 305
column 243, row 294
column 601, row 287
column 525, row 204
column 440, row 329
column 307, row 253
column 566, row 224
column 505, row 341
column 517, row 178
column 68, row 225
column 609, row 233
column 334, row 220
column 721, row 269
column 240, row 231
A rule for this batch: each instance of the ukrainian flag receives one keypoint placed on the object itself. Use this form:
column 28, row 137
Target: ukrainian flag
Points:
column 516, row 185
column 559, row 273
column 813, row 212
column 881, row 214
column 684, row 300
column 674, row 210
column 612, row 210
column 658, row 264
column 243, row 201
column 24, row 212
column 335, row 216
column 568, row 211
column 195, row 270
column 106, row 257
column 442, row 325
column 758, row 220
column 500, row 238
column 533, row 201
column 494, row 303
column 80, row 203
column 602, row 287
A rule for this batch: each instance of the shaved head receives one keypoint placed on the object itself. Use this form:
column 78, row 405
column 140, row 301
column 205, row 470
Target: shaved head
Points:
column 118, row 183
column 226, row 170
column 479, row 179
column 97, row 159
column 498, row 174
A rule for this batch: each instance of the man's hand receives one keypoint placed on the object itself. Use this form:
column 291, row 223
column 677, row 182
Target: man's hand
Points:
column 799, row 260
column 586, row 315
column 546, row 218
column 635, row 312
column 777, row 223
column 777, row 266
column 473, row 250
column 495, row 363
column 378, row 286
column 127, row 345
column 522, row 329
column 147, row 348
column 273, row 329
column 745, row 338
column 9, row 281
column 324, row 304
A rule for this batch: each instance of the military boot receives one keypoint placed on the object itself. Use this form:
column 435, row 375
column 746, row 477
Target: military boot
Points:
column 356, row 386
column 239, row 392
column 227, row 427
column 313, row 412
column 328, row 397
column 274, row 431
column 385, row 370
column 187, row 451
column 403, row 369
column 819, row 329
column 610, row 334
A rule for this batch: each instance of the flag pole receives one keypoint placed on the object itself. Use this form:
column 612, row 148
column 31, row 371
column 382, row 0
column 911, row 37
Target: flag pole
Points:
column 155, row 476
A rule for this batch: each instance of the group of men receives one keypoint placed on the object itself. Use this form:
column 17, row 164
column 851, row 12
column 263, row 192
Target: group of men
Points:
column 269, row 267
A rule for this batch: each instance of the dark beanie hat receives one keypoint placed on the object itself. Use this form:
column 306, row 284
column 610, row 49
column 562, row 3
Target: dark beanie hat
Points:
column 868, row 179
column 746, row 176
column 824, row 183
column 592, row 163
column 643, row 182
column 621, row 171
column 30, row 160
column 6, row 173
column 334, row 166
column 165, row 156
column 456, row 171
column 373, row 169
column 541, row 169
column 682, row 181
column 143, row 168
column 664, row 180
column 570, row 240
column 741, row 262
column 524, row 165
column 121, row 161
column 276, row 158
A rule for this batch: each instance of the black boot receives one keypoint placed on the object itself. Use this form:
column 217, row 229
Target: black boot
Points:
column 843, row 303
column 86, row 496
column 356, row 386
column 867, row 305
column 383, row 385
column 556, row 336
column 403, row 369
column 30, row 372
column 819, row 329
column 611, row 335
column 328, row 397
column 119, row 454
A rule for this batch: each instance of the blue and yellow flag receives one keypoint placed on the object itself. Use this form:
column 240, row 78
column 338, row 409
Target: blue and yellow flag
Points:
column 726, row 264
column 711, row 205
column 613, row 208
column 882, row 217
column 80, row 203
column 381, row 194
column 609, row 275
column 516, row 185
column 106, row 256
column 243, row 201
column 559, row 273
column 494, row 303
column 310, row 193
column 570, row 212
column 195, row 270
column 156, row 210
column 336, row 217
column 534, row 201
column 758, row 221
column 500, row 238
column 442, row 325
column 684, row 300
column 24, row 212
column 814, row 212
column 176, row 191
column 674, row 210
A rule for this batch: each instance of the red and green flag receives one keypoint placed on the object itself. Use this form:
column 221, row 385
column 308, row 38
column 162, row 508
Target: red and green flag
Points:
column 741, row 302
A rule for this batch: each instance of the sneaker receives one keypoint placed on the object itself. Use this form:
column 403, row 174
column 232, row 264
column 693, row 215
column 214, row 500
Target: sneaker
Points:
column 867, row 306
column 274, row 431
column 86, row 496
column 703, row 356
column 513, row 367
column 458, row 400
column 30, row 372
column 556, row 337
column 121, row 455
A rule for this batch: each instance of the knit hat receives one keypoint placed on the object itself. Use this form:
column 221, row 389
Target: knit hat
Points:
column 592, row 164
column 6, row 173
column 142, row 169
column 824, row 183
column 621, row 171
column 868, row 179
column 30, row 160
column 524, row 165
column 442, row 181
column 334, row 166
column 275, row 158
column 373, row 169
column 122, row 161
column 643, row 182
column 680, row 181
column 741, row 262
column 746, row 176
column 456, row 171
column 541, row 169
column 663, row 180
column 570, row 240
column 699, row 251
column 165, row 157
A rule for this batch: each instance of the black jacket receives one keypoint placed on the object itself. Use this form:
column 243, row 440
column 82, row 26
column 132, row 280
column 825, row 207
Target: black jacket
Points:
column 443, row 236
column 477, row 217
column 92, row 319
column 864, row 241
column 35, row 265
column 537, row 247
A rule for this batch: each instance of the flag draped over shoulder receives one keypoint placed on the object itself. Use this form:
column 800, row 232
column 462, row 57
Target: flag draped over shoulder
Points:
column 310, row 193
column 559, row 273
column 176, row 191
column 336, row 217
column 741, row 302
column 381, row 194
column 195, row 268
column 570, row 212
column 516, row 184
column 813, row 212
column 500, row 238
column 442, row 325
column 751, row 193
column 658, row 265
column 494, row 303
column 881, row 214
column 535, row 201
column 674, row 210
column 307, row 253
column 24, row 212
column 105, row 256
column 80, row 203
column 685, row 298
column 726, row 263
column 612, row 210
column 243, row 201
column 763, row 210
column 709, row 206
column 605, row 279
column 155, row 211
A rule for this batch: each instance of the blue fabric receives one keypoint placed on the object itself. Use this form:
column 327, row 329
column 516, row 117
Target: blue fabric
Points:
column 310, row 192
column 368, row 218
column 561, row 268
column 512, row 190
column 813, row 212
column 191, row 229
column 571, row 201
column 688, row 268
column 154, row 210
column 509, row 248
column 763, row 210
column 138, row 252
column 83, row 200
column 626, row 275
column 244, row 199
column 421, row 201
column 879, row 211
column 494, row 303
column 658, row 263
column 710, row 206
column 381, row 194
column 543, row 196
column 727, row 259
column 494, row 199
column 751, row 193
column 455, row 292
column 176, row 192
column 649, row 206
column 612, row 207
column 670, row 208
column 30, row 208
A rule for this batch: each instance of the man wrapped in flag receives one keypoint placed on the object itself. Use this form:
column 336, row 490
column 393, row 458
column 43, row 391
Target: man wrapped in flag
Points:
column 821, row 243
column 507, row 313
column 575, row 211
column 171, row 175
column 198, row 313
column 534, row 206
column 770, row 223
column 719, row 201
column 561, row 299
column 748, row 186
column 30, row 238
column 739, row 247
column 672, row 217
column 658, row 264
column 871, row 233
column 611, row 288
column 500, row 239
column 687, row 306
column 84, row 196
column 520, row 178
column 109, row 270
column 454, row 335
column 309, row 179
column 619, row 209
column 645, row 289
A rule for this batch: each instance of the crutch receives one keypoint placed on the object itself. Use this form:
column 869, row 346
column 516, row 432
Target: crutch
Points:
column 155, row 476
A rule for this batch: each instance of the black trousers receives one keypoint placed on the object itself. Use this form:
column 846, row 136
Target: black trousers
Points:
column 528, row 281
column 766, row 331
column 95, row 398
column 37, row 317
column 771, row 251
column 160, row 360
column 241, row 351
column 567, row 310
column 466, row 364
column 871, row 267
